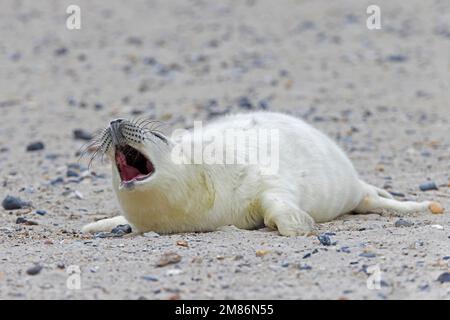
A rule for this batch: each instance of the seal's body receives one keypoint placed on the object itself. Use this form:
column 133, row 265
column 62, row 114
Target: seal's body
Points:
column 314, row 181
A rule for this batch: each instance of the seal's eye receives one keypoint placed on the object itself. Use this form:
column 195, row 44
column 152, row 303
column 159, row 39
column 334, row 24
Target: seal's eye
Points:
column 132, row 164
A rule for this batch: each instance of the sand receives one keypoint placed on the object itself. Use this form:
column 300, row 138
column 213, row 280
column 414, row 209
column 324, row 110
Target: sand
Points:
column 383, row 95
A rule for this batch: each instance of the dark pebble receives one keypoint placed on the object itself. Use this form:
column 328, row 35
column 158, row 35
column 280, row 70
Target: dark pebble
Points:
column 324, row 239
column 41, row 212
column 52, row 156
column 444, row 277
column 245, row 103
column 403, row 223
column 56, row 181
column 22, row 220
column 61, row 51
column 368, row 255
column 103, row 235
column 304, row 267
column 150, row 278
column 15, row 56
column 424, row 287
column 345, row 249
column 283, row 73
column 134, row 41
column 318, row 119
column 35, row 146
column 14, row 203
column 71, row 101
column 98, row 106
column 431, row 185
column 36, row 269
column 75, row 166
column 446, row 258
column 307, row 256
column 72, row 173
column 397, row 58
column 80, row 134
column 136, row 112
column 122, row 228
column 263, row 104
column 150, row 60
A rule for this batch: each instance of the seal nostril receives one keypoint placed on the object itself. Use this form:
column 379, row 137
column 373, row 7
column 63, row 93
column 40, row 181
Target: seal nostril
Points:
column 116, row 121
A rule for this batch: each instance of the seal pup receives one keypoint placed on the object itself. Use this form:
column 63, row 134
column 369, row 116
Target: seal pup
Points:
column 314, row 181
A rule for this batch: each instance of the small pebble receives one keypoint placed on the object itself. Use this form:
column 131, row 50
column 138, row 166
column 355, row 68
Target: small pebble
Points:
column 368, row 255
column 262, row 253
column 56, row 181
column 304, row 267
column 444, row 277
column 72, row 173
column 182, row 243
column 35, row 146
column 324, row 239
column 431, row 185
column 168, row 258
column 98, row 106
column 345, row 249
column 436, row 208
column 22, row 220
column 121, row 229
column 36, row 269
column 41, row 212
column 150, row 278
column 397, row 58
column 14, row 203
column 81, row 134
column 245, row 103
column 263, row 104
column 403, row 223
column 103, row 235
column 61, row 51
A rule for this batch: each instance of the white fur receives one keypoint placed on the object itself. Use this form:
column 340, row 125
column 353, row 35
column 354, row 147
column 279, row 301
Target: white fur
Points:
column 316, row 182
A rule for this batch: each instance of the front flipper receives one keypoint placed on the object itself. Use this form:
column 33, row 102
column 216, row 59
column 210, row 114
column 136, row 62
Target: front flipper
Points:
column 104, row 225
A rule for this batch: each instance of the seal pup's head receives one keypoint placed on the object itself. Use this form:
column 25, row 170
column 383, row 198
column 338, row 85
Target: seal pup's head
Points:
column 154, row 191
column 137, row 152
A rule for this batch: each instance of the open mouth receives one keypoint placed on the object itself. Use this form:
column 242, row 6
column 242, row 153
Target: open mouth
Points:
column 132, row 164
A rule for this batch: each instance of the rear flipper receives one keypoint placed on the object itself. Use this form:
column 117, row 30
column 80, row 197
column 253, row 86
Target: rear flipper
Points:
column 378, row 199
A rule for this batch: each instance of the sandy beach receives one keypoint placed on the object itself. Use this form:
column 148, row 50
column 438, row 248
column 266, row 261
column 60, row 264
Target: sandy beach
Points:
column 382, row 95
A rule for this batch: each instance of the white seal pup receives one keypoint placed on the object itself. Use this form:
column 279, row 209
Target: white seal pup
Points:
column 313, row 181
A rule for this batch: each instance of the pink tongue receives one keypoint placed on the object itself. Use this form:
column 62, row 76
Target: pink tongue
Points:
column 127, row 172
